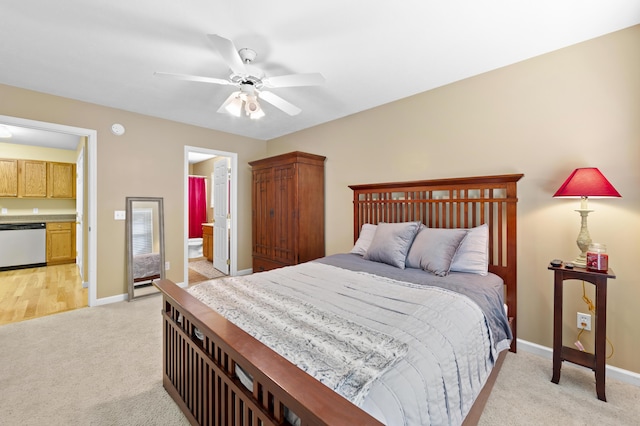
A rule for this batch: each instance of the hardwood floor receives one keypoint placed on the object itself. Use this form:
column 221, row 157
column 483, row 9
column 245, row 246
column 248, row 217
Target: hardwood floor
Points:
column 36, row 292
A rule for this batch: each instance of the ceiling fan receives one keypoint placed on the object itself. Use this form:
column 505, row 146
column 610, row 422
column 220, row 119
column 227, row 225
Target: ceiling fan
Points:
column 250, row 80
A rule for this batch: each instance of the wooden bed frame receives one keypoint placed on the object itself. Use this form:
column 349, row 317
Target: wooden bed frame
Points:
column 201, row 348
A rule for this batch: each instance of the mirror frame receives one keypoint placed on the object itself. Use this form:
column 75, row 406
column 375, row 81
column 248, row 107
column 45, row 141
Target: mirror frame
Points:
column 129, row 230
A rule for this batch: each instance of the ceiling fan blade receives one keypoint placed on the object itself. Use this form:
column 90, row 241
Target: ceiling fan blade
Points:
column 294, row 80
column 280, row 103
column 229, row 53
column 193, row 78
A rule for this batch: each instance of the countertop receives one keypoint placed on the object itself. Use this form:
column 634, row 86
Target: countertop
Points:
column 37, row 218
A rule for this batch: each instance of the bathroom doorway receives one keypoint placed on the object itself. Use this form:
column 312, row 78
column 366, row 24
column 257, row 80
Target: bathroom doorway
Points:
column 210, row 231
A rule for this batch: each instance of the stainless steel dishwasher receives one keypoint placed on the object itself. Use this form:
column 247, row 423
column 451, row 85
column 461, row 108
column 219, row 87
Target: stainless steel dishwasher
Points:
column 22, row 245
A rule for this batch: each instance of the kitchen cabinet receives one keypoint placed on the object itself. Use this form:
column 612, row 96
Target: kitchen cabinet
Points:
column 61, row 243
column 287, row 210
column 8, row 177
column 61, row 180
column 207, row 242
column 32, row 179
column 37, row 179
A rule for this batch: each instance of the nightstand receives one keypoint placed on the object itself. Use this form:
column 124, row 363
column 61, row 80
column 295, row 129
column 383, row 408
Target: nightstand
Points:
column 596, row 361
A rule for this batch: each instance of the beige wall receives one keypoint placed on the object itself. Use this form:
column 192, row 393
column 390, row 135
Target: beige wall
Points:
column 148, row 160
column 577, row 107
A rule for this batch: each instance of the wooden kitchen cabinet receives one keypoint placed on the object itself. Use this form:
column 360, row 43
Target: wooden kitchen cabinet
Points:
column 61, row 243
column 37, row 179
column 8, row 177
column 32, row 179
column 61, row 180
column 287, row 210
column 207, row 242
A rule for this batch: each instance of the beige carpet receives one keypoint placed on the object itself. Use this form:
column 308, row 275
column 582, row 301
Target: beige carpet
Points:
column 91, row 366
column 524, row 395
column 102, row 366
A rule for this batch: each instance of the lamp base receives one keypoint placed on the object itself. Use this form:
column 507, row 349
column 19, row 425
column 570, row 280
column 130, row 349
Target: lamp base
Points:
column 580, row 261
column 584, row 239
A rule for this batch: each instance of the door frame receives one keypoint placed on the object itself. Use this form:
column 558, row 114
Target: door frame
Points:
column 80, row 212
column 92, row 190
column 233, row 205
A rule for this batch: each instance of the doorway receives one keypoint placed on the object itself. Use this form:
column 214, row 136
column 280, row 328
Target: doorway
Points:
column 90, row 207
column 220, row 242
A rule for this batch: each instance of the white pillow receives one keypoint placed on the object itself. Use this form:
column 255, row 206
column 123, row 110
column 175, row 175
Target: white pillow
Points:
column 391, row 243
column 434, row 248
column 473, row 254
column 364, row 240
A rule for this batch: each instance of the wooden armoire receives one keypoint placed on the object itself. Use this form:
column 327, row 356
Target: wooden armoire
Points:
column 287, row 210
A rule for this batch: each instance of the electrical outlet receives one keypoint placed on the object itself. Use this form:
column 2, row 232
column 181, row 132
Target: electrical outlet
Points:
column 584, row 321
column 167, row 266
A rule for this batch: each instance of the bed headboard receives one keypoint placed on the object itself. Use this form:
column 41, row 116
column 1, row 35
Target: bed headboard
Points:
column 452, row 203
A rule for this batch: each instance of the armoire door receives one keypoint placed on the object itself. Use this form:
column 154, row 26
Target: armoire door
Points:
column 263, row 213
column 286, row 213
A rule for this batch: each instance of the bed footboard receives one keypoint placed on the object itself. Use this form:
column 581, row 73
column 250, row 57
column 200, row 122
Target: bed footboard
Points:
column 201, row 353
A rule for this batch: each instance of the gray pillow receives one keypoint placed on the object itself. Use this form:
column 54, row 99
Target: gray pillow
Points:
column 391, row 243
column 473, row 254
column 364, row 239
column 433, row 249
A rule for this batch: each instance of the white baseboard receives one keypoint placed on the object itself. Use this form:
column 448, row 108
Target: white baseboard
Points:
column 123, row 297
column 112, row 299
column 611, row 371
column 246, row 272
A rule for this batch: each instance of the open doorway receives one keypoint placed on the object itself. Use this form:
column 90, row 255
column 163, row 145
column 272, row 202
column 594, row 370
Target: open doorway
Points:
column 88, row 221
column 210, row 233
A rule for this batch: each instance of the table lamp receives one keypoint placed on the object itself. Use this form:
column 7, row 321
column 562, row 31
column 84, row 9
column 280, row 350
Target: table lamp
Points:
column 584, row 183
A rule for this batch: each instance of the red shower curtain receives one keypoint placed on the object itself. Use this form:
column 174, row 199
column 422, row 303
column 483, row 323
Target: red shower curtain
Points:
column 197, row 206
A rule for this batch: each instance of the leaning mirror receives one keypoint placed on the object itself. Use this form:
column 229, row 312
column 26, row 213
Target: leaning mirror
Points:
column 145, row 244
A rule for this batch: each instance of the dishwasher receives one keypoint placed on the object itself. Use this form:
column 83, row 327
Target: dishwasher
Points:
column 23, row 245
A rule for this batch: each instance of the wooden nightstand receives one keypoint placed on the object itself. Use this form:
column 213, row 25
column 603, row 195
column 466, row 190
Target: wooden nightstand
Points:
column 595, row 361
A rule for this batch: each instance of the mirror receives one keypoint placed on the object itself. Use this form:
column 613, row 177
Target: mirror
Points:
column 145, row 244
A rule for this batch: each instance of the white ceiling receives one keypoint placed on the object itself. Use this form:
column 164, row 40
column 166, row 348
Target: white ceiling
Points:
column 37, row 137
column 371, row 53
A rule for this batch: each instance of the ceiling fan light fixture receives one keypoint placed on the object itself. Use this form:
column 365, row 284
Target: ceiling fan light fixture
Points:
column 252, row 107
column 257, row 114
column 235, row 107
column 4, row 132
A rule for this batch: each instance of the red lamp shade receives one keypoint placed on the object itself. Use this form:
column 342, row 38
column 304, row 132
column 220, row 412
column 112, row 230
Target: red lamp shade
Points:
column 587, row 182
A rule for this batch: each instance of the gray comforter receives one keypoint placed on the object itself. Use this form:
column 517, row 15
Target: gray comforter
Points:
column 437, row 346
column 486, row 291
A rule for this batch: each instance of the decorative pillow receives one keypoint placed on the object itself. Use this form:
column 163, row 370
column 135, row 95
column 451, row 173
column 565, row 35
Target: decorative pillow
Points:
column 364, row 240
column 434, row 248
column 473, row 254
column 391, row 243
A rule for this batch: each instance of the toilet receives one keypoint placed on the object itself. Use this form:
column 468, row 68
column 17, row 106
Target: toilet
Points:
column 195, row 248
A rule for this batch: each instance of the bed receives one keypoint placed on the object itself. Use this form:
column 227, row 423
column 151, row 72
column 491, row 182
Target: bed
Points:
column 219, row 373
column 146, row 267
